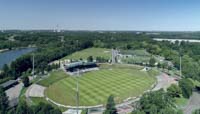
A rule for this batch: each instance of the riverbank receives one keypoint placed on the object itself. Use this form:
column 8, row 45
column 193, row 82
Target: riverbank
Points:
column 7, row 57
column 4, row 50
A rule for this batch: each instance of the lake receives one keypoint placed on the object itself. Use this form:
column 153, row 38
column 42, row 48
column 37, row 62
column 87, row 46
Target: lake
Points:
column 9, row 56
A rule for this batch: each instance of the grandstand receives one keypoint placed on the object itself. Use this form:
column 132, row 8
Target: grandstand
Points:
column 73, row 68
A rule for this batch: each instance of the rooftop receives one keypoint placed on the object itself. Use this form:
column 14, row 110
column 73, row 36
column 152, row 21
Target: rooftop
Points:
column 8, row 83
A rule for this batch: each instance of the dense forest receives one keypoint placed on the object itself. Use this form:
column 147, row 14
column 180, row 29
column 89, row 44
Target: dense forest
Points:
column 52, row 46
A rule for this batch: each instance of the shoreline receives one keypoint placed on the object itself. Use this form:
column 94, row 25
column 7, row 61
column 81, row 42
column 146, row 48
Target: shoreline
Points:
column 4, row 50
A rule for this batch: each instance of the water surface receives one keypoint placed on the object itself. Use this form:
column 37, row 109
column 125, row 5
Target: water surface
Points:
column 9, row 56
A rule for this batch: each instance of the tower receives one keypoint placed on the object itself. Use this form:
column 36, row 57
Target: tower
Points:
column 33, row 60
column 57, row 28
column 114, row 56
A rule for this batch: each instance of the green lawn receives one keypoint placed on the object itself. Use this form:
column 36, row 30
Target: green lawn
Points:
column 138, row 52
column 140, row 56
column 136, row 60
column 195, row 82
column 181, row 102
column 96, row 86
column 54, row 77
column 95, row 52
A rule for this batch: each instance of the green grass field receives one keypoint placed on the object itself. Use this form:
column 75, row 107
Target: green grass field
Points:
column 140, row 56
column 54, row 77
column 136, row 60
column 95, row 52
column 181, row 102
column 96, row 86
column 138, row 52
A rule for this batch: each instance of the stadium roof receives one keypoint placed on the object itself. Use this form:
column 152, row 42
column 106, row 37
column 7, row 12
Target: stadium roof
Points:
column 79, row 64
column 8, row 83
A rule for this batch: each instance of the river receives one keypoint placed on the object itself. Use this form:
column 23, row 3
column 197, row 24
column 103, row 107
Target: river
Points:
column 9, row 56
column 179, row 40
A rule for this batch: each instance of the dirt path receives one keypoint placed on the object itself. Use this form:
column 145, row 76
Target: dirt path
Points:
column 193, row 103
column 164, row 81
column 35, row 90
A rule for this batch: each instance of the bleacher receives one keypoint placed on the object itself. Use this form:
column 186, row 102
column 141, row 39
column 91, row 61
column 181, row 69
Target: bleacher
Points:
column 73, row 67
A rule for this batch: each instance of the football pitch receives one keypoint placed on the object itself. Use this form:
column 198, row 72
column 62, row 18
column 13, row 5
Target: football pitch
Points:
column 96, row 86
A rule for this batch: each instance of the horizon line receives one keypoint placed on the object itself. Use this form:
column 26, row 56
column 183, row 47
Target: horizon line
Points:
column 104, row 30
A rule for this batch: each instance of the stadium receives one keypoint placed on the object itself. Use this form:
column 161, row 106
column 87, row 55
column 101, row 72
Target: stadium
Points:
column 96, row 81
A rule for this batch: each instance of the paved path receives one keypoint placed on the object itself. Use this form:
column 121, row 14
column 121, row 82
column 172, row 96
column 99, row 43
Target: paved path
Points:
column 164, row 81
column 193, row 103
column 13, row 94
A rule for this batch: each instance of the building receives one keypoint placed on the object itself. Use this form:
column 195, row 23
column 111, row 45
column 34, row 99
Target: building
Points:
column 83, row 66
column 9, row 84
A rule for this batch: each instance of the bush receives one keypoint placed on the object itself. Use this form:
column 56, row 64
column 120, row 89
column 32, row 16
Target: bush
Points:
column 25, row 81
column 196, row 111
column 174, row 91
column 187, row 87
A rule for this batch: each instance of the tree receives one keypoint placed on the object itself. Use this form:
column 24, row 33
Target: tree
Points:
column 153, row 109
column 164, row 65
column 21, row 65
column 153, row 102
column 90, row 59
column 138, row 112
column 25, row 80
column 152, row 62
column 23, row 108
column 128, row 46
column 187, row 87
column 5, row 70
column 43, row 108
column 174, row 90
column 110, row 106
column 11, row 111
column 3, row 101
column 196, row 111
column 168, row 110
column 101, row 59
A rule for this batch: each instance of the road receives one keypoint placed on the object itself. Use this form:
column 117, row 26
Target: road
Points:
column 193, row 103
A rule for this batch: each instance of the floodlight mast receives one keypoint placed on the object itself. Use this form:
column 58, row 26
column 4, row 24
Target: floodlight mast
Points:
column 180, row 66
column 33, row 65
column 180, row 60
column 77, row 92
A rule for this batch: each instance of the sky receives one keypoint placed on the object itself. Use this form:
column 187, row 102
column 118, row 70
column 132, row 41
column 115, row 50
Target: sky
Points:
column 148, row 15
